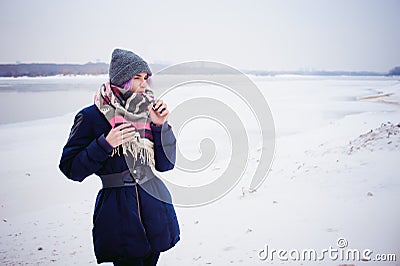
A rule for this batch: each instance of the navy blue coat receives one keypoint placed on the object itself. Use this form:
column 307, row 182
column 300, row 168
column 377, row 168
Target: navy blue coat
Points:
column 118, row 231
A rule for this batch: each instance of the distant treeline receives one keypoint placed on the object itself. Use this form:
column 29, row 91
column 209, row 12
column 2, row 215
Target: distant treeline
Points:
column 317, row 73
column 395, row 71
column 36, row 70
column 39, row 70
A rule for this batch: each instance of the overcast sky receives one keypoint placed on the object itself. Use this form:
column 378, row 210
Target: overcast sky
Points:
column 269, row 35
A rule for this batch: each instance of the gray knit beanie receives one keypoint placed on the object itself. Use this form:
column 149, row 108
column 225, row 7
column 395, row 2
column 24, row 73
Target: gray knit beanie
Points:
column 124, row 65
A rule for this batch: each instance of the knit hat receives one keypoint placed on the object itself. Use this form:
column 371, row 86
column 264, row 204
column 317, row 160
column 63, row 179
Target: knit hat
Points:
column 124, row 65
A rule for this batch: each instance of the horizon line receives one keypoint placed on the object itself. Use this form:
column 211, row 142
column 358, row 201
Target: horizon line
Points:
column 303, row 70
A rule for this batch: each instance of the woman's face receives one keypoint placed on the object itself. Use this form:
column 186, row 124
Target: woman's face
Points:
column 139, row 83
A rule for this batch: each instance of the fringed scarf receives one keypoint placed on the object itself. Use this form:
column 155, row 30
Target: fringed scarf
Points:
column 120, row 106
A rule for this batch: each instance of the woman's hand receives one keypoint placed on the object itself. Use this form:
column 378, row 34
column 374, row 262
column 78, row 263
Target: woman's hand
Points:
column 120, row 134
column 160, row 113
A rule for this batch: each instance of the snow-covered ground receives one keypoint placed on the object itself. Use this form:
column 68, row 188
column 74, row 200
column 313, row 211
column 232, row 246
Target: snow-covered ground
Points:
column 334, row 176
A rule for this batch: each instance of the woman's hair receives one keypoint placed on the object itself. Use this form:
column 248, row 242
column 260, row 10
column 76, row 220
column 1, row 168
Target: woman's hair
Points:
column 128, row 84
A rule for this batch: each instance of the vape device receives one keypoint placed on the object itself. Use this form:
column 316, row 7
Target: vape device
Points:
column 150, row 100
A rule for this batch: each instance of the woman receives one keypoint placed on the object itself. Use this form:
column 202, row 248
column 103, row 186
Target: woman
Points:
column 121, row 138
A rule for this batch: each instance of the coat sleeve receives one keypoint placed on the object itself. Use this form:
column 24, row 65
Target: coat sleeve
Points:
column 164, row 147
column 84, row 153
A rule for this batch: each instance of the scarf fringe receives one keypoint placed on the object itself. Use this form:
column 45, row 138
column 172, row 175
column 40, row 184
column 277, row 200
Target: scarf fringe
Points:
column 140, row 149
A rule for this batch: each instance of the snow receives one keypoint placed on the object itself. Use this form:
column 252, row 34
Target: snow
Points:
column 334, row 175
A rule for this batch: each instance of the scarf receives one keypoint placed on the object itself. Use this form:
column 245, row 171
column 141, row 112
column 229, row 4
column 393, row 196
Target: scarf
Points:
column 120, row 106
